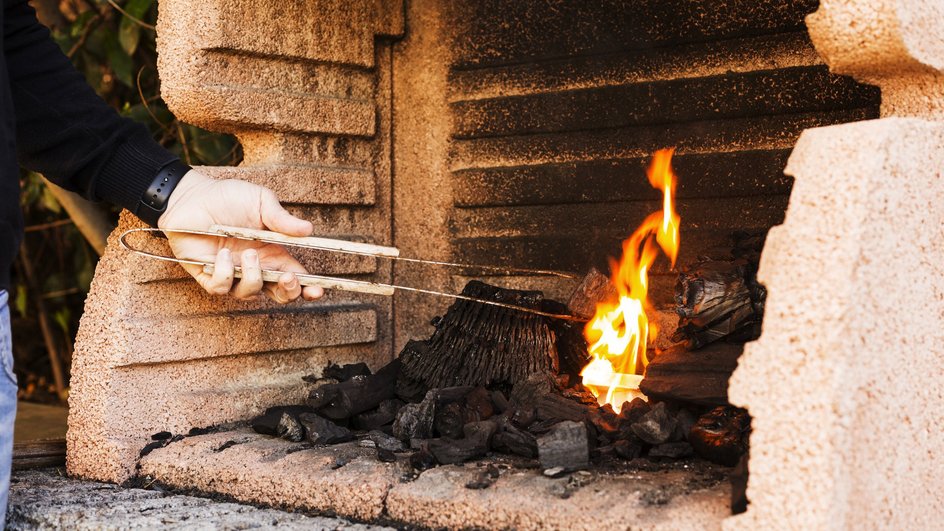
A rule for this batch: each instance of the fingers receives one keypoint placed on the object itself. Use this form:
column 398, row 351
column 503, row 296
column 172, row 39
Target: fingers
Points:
column 221, row 282
column 278, row 219
column 311, row 293
column 250, row 284
column 286, row 289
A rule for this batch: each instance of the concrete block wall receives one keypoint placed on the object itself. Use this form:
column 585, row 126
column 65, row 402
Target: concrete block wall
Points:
column 306, row 88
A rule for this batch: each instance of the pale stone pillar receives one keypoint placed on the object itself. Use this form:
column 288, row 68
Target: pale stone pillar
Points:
column 846, row 383
column 306, row 87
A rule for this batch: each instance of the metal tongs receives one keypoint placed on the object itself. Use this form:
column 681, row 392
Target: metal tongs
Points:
column 345, row 247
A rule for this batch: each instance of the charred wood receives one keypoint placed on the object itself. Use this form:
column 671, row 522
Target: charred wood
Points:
column 593, row 289
column 510, row 439
column 700, row 377
column 290, row 428
column 268, row 422
column 479, row 344
column 356, row 395
column 656, row 426
column 717, row 300
column 343, row 373
column 384, row 415
column 319, row 430
column 565, row 446
column 475, row 444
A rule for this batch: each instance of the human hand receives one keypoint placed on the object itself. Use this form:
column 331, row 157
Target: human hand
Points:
column 199, row 202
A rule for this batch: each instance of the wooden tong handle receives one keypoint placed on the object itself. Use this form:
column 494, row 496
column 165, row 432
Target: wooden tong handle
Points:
column 357, row 286
column 307, row 241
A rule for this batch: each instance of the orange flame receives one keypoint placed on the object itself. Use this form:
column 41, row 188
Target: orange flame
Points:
column 619, row 332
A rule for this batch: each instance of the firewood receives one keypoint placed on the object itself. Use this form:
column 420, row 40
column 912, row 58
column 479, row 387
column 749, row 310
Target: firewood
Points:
column 700, row 377
column 721, row 435
column 479, row 344
column 593, row 289
column 565, row 446
column 357, row 395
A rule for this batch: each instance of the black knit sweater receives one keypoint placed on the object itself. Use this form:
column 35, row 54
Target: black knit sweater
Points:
column 55, row 124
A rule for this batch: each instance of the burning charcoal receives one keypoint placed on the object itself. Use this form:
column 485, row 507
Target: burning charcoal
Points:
column 478, row 405
column 422, row 460
column 699, row 377
column 594, row 289
column 343, row 373
column 470, row 345
column 572, row 352
column 290, row 428
column 581, row 394
column 386, row 456
column 512, row 440
column 357, row 395
column 320, row 430
column 672, row 450
column 686, row 419
column 385, row 442
column 500, row 401
column 268, row 422
column 656, row 426
column 565, row 445
column 478, row 437
column 604, row 419
column 415, row 421
column 721, row 435
column 385, row 414
column 627, row 449
column 448, row 420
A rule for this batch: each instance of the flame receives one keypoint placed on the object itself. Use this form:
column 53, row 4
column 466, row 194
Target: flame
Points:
column 620, row 332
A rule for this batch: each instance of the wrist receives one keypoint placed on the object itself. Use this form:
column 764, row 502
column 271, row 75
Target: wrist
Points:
column 154, row 203
column 189, row 186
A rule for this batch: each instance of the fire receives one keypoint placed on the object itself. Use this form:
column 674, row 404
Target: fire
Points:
column 619, row 332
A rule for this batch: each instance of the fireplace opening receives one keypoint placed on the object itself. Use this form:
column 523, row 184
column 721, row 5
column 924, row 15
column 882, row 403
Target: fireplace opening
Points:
column 536, row 135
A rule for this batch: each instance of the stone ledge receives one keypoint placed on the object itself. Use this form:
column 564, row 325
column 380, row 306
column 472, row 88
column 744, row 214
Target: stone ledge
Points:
column 45, row 499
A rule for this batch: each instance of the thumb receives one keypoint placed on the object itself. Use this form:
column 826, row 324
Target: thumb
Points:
column 277, row 219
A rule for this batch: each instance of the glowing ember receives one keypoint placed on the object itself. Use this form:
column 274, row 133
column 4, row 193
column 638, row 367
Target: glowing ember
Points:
column 619, row 332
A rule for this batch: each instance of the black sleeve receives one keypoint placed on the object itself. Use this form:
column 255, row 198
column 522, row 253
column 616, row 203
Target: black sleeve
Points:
column 63, row 129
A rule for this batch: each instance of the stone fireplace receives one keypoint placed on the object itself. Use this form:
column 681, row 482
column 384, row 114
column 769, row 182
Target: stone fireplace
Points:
column 515, row 133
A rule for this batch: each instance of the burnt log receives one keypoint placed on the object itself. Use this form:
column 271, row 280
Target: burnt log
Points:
column 717, row 300
column 721, row 435
column 359, row 394
column 481, row 344
column 592, row 290
column 700, row 377
column 565, row 446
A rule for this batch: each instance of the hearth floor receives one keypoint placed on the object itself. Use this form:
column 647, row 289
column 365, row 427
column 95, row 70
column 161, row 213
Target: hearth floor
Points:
column 348, row 480
column 46, row 499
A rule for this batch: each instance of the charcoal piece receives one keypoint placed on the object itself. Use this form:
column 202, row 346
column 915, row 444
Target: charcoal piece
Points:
column 717, row 299
column 672, row 450
column 357, row 395
column 566, row 446
column 268, row 422
column 573, row 353
column 699, row 377
column 555, row 407
column 319, row 430
column 290, row 428
column 449, row 420
column 478, row 405
column 500, row 401
column 592, row 290
column 386, row 442
column 721, row 435
column 385, row 414
column 343, row 373
column 536, row 385
column 511, row 439
column 151, row 446
column 631, row 412
column 386, row 456
column 581, row 394
column 409, row 390
column 604, row 420
column 523, row 417
column 627, row 449
column 161, row 436
column 415, row 421
column 739, row 501
column 422, row 460
column 656, row 426
column 685, row 420
column 475, row 444
column 480, row 344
